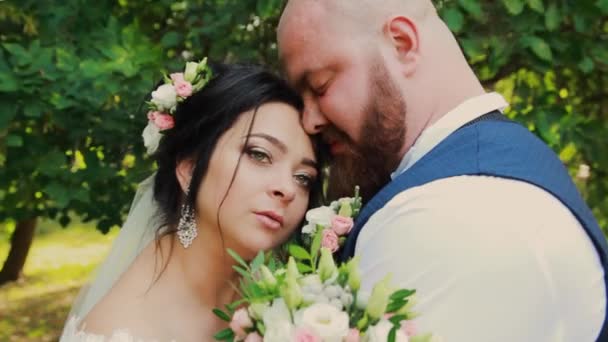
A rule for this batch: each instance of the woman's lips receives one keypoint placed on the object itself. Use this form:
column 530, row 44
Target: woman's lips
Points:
column 270, row 219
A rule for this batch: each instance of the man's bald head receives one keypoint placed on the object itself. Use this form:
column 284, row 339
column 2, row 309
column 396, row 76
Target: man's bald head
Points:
column 354, row 14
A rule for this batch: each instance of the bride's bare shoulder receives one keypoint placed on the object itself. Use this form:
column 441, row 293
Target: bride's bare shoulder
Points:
column 122, row 309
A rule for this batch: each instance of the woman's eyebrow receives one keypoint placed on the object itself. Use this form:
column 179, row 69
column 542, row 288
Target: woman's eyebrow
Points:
column 281, row 146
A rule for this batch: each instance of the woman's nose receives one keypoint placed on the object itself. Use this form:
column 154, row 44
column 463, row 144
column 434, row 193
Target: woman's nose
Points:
column 283, row 189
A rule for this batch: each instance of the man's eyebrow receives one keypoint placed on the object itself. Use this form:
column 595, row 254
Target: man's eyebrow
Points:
column 301, row 82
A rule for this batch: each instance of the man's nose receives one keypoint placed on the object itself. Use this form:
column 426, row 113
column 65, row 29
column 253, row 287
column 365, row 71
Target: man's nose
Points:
column 313, row 120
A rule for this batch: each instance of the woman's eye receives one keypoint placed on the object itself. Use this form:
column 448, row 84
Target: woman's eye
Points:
column 258, row 155
column 304, row 180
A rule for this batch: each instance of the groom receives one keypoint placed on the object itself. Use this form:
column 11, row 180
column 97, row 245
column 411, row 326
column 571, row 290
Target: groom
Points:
column 464, row 205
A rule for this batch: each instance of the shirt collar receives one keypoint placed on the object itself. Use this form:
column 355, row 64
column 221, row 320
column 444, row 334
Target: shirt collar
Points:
column 465, row 112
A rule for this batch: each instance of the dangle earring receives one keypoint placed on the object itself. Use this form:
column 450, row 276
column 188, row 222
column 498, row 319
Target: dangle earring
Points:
column 186, row 228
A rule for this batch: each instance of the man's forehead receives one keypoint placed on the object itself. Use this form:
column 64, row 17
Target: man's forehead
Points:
column 299, row 40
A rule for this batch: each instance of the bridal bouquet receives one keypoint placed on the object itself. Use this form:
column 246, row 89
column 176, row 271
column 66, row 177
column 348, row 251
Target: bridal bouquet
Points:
column 310, row 298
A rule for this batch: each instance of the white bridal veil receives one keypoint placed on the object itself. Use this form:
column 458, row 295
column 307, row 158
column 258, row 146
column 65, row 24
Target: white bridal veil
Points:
column 136, row 233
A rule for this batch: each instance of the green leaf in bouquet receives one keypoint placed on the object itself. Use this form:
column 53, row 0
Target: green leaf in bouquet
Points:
column 363, row 323
column 422, row 338
column 238, row 258
column 257, row 261
column 402, row 294
column 392, row 335
column 397, row 319
column 272, row 262
column 396, row 305
column 299, row 253
column 316, row 245
column 303, row 268
column 261, row 328
column 241, row 271
column 222, row 315
column 345, row 210
column 224, row 335
column 232, row 306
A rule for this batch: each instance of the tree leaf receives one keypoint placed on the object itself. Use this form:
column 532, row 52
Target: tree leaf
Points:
column 586, row 65
column 602, row 5
column 552, row 17
column 515, row 7
column 58, row 193
column 473, row 7
column 540, row 48
column 454, row 19
column 170, row 39
column 537, row 5
column 14, row 140
column 266, row 8
column 8, row 111
column 8, row 82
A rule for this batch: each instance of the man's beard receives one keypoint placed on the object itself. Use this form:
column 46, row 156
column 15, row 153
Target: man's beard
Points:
column 370, row 162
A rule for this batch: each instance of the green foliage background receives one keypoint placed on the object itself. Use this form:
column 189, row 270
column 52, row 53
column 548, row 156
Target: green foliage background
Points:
column 74, row 74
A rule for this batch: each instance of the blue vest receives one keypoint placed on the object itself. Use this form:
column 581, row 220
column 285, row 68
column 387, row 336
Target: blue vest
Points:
column 494, row 147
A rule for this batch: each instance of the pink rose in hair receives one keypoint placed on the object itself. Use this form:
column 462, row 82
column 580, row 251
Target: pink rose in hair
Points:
column 305, row 335
column 330, row 240
column 341, row 225
column 240, row 322
column 164, row 121
column 254, row 337
column 177, row 77
column 353, row 336
column 183, row 88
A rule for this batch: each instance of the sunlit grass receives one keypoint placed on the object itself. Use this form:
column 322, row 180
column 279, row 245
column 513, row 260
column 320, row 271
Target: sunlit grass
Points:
column 60, row 261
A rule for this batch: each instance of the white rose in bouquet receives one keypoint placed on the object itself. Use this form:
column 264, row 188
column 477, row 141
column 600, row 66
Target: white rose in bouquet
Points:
column 328, row 322
column 320, row 216
column 380, row 331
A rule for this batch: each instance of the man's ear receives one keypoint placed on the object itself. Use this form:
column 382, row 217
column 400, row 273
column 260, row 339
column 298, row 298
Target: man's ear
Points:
column 183, row 172
column 403, row 34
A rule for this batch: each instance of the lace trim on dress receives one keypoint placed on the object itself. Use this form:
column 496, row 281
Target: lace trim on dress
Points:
column 72, row 333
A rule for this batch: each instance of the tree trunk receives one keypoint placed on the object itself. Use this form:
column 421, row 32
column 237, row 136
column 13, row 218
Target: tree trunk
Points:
column 21, row 240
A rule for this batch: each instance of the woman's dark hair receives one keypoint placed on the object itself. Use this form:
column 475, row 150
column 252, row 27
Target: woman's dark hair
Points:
column 202, row 119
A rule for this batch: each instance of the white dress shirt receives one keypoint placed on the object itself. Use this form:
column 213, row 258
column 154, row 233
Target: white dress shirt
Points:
column 492, row 259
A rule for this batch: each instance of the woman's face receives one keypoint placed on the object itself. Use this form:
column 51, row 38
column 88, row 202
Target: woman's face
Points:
column 271, row 188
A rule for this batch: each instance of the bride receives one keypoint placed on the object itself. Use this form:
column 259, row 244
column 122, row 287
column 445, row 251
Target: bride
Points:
column 235, row 170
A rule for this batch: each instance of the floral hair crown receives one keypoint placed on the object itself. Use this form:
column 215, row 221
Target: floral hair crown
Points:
column 177, row 87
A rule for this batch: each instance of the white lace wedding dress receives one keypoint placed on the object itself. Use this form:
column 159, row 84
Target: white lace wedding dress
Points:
column 73, row 333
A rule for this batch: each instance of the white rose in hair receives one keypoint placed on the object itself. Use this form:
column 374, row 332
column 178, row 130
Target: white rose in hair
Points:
column 151, row 135
column 380, row 331
column 164, row 97
column 325, row 320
